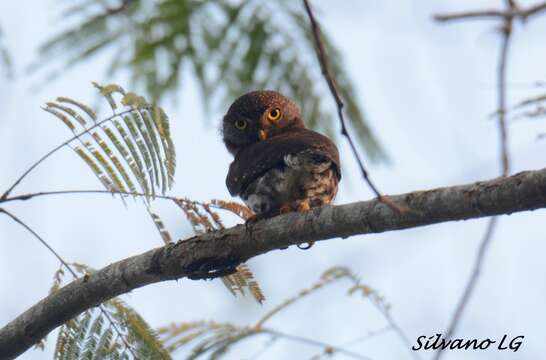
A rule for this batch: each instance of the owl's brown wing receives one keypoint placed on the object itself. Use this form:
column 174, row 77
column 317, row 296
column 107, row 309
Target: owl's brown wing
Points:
column 256, row 159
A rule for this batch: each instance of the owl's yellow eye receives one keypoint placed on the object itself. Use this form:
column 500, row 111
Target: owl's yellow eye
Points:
column 274, row 115
column 241, row 124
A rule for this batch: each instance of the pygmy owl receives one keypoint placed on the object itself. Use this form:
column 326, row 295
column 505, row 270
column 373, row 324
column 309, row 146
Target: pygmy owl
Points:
column 279, row 165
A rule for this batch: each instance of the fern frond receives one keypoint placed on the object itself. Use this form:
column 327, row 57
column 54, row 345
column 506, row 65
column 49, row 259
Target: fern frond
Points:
column 120, row 169
column 140, row 334
column 57, row 279
column 238, row 209
column 108, row 92
column 202, row 220
column 165, row 235
column 105, row 348
column 105, row 181
column 150, row 151
column 213, row 338
column 130, row 151
column 86, row 109
column 71, row 112
column 92, row 346
column 61, row 117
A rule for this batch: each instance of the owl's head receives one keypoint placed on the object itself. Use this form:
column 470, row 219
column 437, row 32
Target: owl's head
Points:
column 257, row 116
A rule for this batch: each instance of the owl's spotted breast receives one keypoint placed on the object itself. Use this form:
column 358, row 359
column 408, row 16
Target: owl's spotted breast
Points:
column 286, row 171
column 305, row 177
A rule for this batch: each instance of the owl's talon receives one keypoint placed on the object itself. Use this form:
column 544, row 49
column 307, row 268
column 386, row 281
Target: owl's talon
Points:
column 303, row 206
column 306, row 247
column 285, row 209
column 251, row 220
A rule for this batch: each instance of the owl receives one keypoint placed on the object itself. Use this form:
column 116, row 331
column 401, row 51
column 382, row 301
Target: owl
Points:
column 279, row 165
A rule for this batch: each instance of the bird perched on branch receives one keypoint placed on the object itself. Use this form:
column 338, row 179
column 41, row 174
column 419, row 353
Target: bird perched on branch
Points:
column 279, row 166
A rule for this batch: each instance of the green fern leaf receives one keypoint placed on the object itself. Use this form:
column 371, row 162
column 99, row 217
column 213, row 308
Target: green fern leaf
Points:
column 113, row 158
column 143, row 151
column 149, row 146
column 61, row 117
column 86, row 109
column 69, row 111
column 95, row 168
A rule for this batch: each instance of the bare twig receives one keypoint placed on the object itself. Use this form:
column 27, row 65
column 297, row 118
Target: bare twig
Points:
column 371, row 334
column 331, row 348
column 384, row 309
column 505, row 164
column 40, row 239
column 469, row 288
column 292, row 300
column 506, row 32
column 216, row 204
column 57, row 148
column 69, row 268
column 511, row 13
column 326, row 72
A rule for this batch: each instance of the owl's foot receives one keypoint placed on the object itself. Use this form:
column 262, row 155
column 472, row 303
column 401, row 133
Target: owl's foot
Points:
column 297, row 207
column 251, row 220
column 303, row 206
column 286, row 209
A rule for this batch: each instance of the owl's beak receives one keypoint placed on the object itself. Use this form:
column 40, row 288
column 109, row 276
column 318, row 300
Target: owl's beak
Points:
column 263, row 133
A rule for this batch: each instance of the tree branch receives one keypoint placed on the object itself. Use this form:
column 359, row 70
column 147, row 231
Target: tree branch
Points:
column 513, row 12
column 217, row 253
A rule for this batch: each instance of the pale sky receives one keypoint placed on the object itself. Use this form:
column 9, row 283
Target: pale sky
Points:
column 428, row 90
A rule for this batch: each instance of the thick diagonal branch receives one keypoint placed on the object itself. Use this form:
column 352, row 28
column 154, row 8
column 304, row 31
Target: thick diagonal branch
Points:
column 217, row 253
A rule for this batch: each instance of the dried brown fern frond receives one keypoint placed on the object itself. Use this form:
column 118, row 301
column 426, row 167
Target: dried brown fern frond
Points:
column 236, row 208
column 203, row 219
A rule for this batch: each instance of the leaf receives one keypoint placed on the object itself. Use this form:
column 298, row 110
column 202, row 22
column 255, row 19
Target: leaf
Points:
column 202, row 220
column 130, row 152
column 165, row 235
column 90, row 335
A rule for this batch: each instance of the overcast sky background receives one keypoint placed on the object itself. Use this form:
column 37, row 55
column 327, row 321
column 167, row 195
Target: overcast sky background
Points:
column 428, row 90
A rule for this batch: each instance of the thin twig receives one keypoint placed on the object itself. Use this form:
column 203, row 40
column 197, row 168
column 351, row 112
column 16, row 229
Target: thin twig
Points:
column 326, row 72
column 313, row 342
column 469, row 288
column 292, row 300
column 506, row 32
column 385, row 311
column 511, row 13
column 29, row 229
column 371, row 334
column 54, row 150
column 25, row 197
column 69, row 268
column 505, row 164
